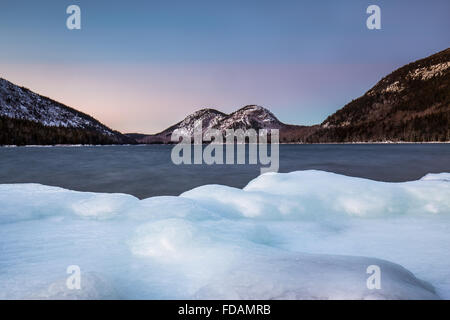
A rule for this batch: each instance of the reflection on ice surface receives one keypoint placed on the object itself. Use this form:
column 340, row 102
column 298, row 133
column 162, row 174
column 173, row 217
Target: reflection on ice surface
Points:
column 301, row 235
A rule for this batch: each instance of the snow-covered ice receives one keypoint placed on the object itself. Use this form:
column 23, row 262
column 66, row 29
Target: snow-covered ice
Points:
column 299, row 235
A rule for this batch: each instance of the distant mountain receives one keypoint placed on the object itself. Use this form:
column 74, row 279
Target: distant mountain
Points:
column 29, row 118
column 410, row 104
column 248, row 117
column 209, row 117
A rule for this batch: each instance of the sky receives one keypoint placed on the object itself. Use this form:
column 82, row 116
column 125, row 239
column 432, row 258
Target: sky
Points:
column 141, row 66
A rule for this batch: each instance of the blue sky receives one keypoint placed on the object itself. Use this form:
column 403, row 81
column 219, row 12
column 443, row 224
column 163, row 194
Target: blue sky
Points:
column 143, row 65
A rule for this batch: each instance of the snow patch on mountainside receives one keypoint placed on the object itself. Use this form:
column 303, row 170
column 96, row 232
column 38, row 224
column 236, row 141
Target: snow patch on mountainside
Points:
column 393, row 87
column 250, row 117
column 209, row 118
column 427, row 73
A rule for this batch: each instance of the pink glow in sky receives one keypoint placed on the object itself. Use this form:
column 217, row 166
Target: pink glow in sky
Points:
column 149, row 98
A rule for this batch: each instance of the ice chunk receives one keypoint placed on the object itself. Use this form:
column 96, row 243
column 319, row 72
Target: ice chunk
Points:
column 436, row 176
column 303, row 276
column 34, row 201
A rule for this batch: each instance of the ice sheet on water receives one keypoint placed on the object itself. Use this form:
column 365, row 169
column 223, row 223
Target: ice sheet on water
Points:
column 301, row 235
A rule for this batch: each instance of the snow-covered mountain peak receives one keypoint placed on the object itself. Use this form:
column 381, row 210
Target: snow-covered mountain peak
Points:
column 209, row 117
column 251, row 116
column 248, row 117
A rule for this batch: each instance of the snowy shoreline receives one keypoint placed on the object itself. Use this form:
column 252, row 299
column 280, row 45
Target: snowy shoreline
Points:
column 300, row 235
